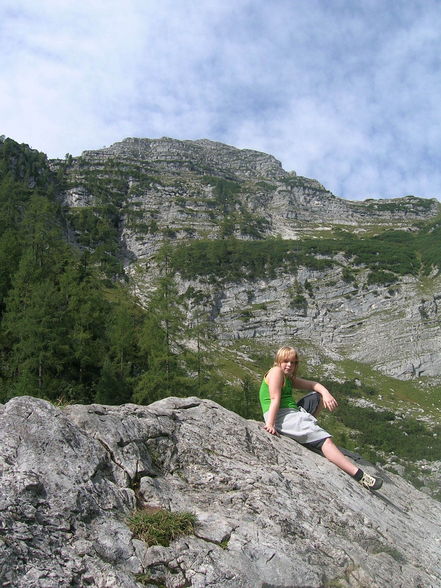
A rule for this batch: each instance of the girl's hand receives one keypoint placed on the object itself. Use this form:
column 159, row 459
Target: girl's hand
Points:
column 271, row 429
column 329, row 401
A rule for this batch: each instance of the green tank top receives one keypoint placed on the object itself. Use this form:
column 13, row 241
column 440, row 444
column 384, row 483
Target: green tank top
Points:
column 286, row 400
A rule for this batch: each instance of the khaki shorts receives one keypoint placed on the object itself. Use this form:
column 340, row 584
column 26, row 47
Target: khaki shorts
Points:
column 300, row 424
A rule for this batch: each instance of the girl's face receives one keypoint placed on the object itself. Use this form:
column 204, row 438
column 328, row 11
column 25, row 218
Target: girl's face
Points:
column 289, row 364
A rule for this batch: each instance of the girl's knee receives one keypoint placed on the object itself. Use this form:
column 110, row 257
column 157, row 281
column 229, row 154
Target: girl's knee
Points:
column 328, row 443
column 320, row 405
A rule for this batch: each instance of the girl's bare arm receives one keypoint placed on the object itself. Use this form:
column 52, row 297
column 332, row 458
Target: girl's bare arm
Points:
column 329, row 401
column 275, row 379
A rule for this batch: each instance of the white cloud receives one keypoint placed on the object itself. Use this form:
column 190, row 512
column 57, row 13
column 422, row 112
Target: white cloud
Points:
column 348, row 93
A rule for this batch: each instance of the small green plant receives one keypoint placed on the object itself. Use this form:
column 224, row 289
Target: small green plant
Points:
column 347, row 275
column 159, row 526
column 143, row 579
column 390, row 550
column 298, row 302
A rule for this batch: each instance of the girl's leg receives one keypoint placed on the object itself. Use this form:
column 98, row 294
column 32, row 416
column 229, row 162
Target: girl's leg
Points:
column 333, row 453
column 319, row 408
column 312, row 403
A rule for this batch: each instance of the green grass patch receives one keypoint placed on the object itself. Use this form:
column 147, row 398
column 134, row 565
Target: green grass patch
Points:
column 381, row 431
column 390, row 392
column 159, row 526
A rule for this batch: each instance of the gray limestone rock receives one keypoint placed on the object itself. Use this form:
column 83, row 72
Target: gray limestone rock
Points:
column 269, row 512
column 202, row 156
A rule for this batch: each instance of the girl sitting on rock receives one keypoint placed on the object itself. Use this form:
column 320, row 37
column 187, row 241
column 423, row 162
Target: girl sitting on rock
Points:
column 298, row 420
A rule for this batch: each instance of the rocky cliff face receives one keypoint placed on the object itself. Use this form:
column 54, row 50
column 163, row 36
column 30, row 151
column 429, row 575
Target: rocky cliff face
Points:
column 269, row 512
column 195, row 157
column 169, row 189
column 397, row 331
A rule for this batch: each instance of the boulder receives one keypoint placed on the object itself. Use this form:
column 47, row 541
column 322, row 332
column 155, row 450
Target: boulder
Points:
column 269, row 512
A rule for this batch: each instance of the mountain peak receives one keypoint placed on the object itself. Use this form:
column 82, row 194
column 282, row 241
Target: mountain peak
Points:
column 202, row 155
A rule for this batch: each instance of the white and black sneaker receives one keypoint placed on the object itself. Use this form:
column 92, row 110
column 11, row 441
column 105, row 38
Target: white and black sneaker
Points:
column 370, row 482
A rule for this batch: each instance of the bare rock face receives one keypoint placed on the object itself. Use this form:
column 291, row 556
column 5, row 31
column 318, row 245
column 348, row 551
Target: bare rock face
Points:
column 202, row 156
column 270, row 513
column 361, row 323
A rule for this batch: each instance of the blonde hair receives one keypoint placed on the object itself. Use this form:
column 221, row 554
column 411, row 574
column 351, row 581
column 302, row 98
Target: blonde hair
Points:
column 287, row 352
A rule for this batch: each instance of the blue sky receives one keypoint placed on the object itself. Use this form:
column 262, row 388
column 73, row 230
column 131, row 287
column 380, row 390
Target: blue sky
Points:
column 344, row 91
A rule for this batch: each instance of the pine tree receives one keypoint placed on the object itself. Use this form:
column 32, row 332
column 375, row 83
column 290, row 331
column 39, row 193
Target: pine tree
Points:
column 162, row 340
column 124, row 361
column 35, row 326
column 33, row 320
column 200, row 333
column 86, row 312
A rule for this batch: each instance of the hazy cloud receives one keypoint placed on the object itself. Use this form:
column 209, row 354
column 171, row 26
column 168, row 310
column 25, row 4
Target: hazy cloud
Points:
column 345, row 92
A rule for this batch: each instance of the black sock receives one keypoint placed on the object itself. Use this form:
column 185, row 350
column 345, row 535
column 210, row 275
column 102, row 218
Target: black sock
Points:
column 358, row 475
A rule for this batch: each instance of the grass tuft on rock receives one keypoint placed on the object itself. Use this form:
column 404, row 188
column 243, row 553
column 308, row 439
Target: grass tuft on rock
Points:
column 159, row 526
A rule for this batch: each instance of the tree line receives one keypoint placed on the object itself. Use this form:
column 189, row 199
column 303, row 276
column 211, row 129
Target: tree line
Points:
column 388, row 256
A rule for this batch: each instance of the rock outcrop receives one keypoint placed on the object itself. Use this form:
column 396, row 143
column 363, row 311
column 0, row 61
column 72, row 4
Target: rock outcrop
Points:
column 270, row 513
column 173, row 156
